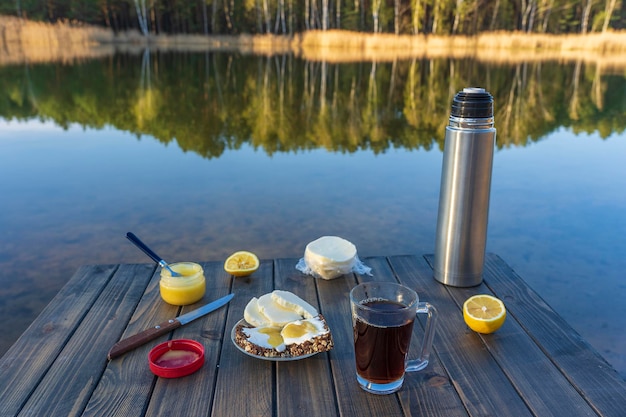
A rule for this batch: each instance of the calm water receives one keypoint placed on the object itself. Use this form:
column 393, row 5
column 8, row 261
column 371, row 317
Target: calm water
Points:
column 202, row 155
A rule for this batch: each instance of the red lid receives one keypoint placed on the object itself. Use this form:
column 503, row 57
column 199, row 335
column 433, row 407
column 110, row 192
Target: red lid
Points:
column 176, row 358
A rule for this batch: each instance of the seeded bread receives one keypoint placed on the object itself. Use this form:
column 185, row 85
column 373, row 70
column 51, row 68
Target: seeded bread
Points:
column 321, row 343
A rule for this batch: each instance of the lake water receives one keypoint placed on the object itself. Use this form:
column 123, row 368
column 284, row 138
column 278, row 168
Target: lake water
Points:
column 202, row 155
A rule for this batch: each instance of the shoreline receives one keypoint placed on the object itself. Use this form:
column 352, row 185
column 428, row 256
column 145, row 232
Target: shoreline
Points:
column 32, row 42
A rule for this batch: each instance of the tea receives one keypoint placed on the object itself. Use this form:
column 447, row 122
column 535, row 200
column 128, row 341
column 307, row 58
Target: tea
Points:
column 383, row 314
column 381, row 349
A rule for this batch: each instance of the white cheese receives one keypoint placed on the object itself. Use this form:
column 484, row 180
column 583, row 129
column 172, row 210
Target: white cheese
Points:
column 253, row 315
column 330, row 256
column 276, row 314
column 291, row 301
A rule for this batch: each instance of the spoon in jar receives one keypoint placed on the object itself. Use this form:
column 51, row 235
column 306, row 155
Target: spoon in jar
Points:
column 137, row 242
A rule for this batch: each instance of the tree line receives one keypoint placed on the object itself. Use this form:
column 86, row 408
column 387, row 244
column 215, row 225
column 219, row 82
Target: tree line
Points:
column 441, row 17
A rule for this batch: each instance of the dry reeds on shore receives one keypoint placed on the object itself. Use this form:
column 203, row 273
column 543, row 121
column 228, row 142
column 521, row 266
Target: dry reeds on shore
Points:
column 27, row 41
column 509, row 47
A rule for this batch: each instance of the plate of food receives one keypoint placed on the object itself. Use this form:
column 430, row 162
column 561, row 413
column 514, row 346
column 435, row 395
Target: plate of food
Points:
column 280, row 326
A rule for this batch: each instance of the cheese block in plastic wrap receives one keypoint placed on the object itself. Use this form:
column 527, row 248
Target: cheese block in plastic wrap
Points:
column 330, row 257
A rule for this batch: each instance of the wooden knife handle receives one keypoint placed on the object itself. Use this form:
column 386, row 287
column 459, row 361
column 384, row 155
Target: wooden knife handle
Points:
column 142, row 338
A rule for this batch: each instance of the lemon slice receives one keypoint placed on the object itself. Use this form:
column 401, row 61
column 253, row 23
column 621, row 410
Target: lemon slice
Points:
column 484, row 313
column 241, row 264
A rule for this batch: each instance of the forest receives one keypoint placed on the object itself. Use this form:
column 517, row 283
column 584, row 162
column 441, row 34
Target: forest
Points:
column 285, row 17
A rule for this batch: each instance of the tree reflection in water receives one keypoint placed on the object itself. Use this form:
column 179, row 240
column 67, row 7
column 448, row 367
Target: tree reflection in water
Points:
column 209, row 102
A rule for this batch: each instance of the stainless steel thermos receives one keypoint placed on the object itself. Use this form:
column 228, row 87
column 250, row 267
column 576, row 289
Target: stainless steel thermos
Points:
column 461, row 236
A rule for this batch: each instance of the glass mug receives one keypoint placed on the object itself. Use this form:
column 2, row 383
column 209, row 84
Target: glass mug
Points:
column 382, row 319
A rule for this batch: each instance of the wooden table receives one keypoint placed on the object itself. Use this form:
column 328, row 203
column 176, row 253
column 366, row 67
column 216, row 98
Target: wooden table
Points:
column 535, row 365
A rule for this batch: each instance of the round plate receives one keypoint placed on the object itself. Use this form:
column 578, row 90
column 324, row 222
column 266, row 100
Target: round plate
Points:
column 233, row 334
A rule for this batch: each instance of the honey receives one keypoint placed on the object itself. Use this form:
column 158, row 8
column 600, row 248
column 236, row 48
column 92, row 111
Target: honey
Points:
column 185, row 289
column 299, row 329
column 274, row 337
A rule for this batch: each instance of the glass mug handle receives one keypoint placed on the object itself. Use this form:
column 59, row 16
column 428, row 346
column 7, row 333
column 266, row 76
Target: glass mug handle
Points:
column 422, row 361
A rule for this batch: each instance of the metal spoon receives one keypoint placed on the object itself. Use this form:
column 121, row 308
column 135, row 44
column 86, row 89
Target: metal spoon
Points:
column 151, row 253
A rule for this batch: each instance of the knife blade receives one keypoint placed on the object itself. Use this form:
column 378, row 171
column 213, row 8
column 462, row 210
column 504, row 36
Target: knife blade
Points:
column 152, row 333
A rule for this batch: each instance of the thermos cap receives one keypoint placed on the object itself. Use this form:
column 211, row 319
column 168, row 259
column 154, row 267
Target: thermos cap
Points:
column 472, row 102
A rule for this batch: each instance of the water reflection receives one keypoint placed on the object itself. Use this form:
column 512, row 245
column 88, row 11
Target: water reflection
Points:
column 211, row 102
column 269, row 153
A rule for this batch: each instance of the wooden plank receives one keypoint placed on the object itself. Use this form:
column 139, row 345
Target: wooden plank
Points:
column 537, row 381
column 352, row 400
column 245, row 384
column 126, row 385
column 536, row 364
column 192, row 395
column 298, row 382
column 429, row 391
column 582, row 365
column 27, row 361
column 481, row 384
column 66, row 387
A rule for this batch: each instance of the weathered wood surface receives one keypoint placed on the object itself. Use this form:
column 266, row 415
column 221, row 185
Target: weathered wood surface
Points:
column 535, row 365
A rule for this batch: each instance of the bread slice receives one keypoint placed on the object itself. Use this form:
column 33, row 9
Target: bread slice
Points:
column 320, row 341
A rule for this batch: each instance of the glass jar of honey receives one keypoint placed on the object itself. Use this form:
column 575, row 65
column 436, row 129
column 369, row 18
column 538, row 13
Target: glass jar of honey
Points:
column 185, row 289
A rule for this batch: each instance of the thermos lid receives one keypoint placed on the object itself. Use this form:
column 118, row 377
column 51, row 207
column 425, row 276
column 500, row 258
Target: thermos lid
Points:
column 472, row 102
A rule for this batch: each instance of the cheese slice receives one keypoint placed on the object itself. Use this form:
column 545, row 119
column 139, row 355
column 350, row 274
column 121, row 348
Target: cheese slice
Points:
column 330, row 256
column 276, row 314
column 291, row 301
column 253, row 315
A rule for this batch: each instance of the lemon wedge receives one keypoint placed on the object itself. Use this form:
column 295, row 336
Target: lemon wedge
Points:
column 241, row 264
column 484, row 313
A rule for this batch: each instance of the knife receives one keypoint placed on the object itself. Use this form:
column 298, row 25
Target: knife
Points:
column 145, row 336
